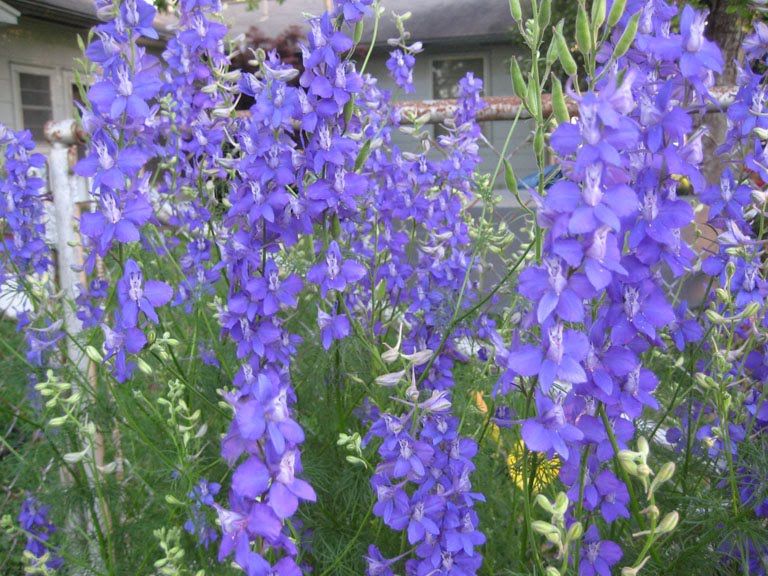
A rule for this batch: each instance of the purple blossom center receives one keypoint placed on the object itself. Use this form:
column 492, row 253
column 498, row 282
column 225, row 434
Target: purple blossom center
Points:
column 135, row 290
column 593, row 551
column 631, row 301
column 556, row 347
column 556, row 278
column 124, row 84
column 111, row 211
column 650, row 205
column 593, row 191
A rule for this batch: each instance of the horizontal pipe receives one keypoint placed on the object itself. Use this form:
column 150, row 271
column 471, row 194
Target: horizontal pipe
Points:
column 500, row 108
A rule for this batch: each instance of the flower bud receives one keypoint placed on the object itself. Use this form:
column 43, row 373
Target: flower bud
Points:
column 75, row 457
column 628, row 461
column 58, row 421
column 561, row 503
column 633, row 570
column 420, row 357
column 551, row 571
column 142, row 365
column 668, row 523
column 665, row 474
column 643, row 448
column 550, row 532
column 94, row 354
column 575, row 532
column 391, row 379
column 583, row 34
column 564, row 53
column 545, row 504
column 617, row 11
column 627, row 37
column 516, row 10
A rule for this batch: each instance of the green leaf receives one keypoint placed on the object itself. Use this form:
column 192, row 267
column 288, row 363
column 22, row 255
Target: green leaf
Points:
column 362, row 156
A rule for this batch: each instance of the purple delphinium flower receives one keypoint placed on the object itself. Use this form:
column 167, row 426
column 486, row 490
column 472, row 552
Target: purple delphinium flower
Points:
column 22, row 210
column 613, row 496
column 34, row 520
column 335, row 273
column 332, row 327
column 137, row 295
column 598, row 556
column 549, row 431
column 202, row 497
column 400, row 65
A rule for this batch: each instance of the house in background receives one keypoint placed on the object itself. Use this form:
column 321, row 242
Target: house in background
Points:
column 38, row 46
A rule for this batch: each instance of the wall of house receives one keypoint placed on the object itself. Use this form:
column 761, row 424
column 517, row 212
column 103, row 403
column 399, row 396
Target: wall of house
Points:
column 43, row 46
column 497, row 83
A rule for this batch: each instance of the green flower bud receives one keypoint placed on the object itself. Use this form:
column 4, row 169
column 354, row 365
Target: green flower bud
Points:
column 564, row 53
column 545, row 504
column 598, row 15
column 665, row 475
column 617, row 11
column 627, row 37
column 516, row 10
column 583, row 34
column 559, row 107
column 545, row 14
column 94, row 354
column 668, row 523
column 575, row 532
column 143, row 366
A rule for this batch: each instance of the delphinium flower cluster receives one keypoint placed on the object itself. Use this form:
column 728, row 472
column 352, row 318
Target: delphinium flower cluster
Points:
column 612, row 226
column 22, row 209
column 26, row 261
column 295, row 174
column 121, row 136
column 304, row 227
column 422, row 482
column 729, row 420
column 198, row 94
column 36, row 525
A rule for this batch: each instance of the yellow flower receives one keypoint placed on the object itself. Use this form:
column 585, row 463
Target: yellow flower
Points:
column 545, row 470
column 480, row 404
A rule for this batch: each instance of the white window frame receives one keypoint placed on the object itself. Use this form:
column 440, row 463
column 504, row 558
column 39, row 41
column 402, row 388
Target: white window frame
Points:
column 60, row 91
column 486, row 58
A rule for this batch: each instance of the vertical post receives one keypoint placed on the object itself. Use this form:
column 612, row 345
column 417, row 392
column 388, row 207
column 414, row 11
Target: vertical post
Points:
column 68, row 193
column 62, row 136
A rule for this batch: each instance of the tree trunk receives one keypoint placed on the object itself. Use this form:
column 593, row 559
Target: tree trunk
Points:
column 727, row 30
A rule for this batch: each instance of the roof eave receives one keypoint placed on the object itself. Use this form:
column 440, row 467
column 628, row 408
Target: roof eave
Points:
column 9, row 16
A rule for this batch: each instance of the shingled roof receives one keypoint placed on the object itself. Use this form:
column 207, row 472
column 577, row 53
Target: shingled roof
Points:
column 79, row 13
column 433, row 22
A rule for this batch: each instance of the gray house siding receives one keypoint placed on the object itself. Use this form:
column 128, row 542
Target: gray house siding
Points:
column 42, row 48
column 497, row 83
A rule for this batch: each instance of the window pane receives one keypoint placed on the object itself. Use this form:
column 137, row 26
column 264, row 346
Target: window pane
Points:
column 35, row 82
column 34, row 121
column 36, row 106
column 447, row 73
column 445, row 81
